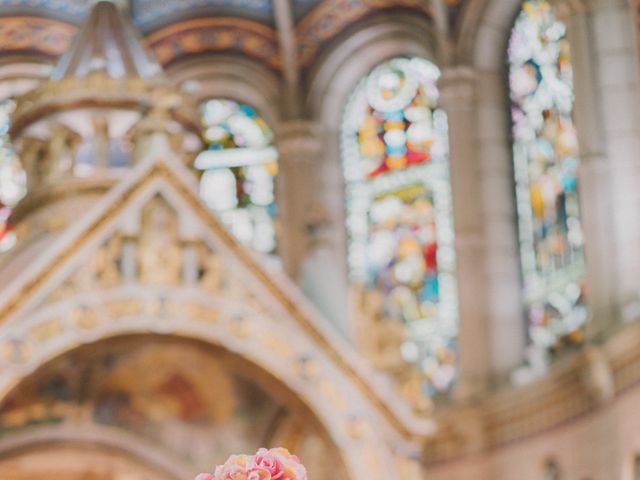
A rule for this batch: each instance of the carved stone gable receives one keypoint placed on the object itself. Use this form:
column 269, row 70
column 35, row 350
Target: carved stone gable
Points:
column 151, row 258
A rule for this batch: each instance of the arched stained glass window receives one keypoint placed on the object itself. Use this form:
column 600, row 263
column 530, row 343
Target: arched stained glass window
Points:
column 12, row 176
column 545, row 151
column 399, row 220
column 239, row 169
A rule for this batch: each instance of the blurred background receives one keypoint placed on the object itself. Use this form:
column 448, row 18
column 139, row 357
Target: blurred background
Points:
column 398, row 237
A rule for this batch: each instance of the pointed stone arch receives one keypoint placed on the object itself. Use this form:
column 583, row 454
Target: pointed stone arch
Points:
column 72, row 296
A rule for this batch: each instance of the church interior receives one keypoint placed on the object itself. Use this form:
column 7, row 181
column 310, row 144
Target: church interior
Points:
column 396, row 237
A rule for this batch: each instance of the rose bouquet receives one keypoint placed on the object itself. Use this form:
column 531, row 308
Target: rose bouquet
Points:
column 273, row 464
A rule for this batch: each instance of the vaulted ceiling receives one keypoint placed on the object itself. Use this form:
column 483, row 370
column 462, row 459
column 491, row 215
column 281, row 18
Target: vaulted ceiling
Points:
column 175, row 29
column 151, row 14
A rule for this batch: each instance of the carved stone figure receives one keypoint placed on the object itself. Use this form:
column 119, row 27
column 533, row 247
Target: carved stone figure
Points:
column 210, row 266
column 106, row 262
column 159, row 255
column 101, row 141
column 61, row 155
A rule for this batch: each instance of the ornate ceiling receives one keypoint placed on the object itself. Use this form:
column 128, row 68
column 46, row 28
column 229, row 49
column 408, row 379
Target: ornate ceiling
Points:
column 175, row 29
column 71, row 10
column 150, row 14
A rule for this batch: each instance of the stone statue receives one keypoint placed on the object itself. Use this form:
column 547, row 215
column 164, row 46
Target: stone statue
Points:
column 159, row 255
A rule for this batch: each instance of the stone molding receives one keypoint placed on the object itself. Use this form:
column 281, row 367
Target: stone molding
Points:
column 575, row 387
column 329, row 19
column 457, row 87
column 101, row 438
column 295, row 138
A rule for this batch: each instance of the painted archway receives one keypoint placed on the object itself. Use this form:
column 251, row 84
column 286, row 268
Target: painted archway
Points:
column 141, row 396
column 104, row 280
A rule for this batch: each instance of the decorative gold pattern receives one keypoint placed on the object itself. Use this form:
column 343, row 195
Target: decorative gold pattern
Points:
column 213, row 34
column 332, row 17
column 35, row 34
column 100, row 90
column 216, row 35
column 209, row 269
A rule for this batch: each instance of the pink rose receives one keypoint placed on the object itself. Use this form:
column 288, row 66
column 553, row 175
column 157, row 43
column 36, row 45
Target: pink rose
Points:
column 301, row 472
column 282, row 452
column 236, row 473
column 273, row 464
column 294, row 471
column 269, row 461
column 205, row 476
column 235, row 468
column 259, row 473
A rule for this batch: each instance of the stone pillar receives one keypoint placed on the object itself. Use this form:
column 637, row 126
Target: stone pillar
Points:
column 490, row 166
column 595, row 197
column 298, row 150
column 457, row 89
column 304, row 246
column 605, row 62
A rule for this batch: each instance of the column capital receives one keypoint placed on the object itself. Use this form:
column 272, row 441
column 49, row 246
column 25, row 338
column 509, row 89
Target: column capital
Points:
column 457, row 85
column 299, row 139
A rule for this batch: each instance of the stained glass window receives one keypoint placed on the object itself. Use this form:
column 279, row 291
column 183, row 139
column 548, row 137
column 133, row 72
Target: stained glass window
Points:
column 12, row 177
column 545, row 152
column 399, row 221
column 239, row 169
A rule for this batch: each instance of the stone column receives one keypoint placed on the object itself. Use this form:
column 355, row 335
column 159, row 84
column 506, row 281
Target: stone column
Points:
column 304, row 243
column 457, row 89
column 605, row 62
column 298, row 150
column 490, row 166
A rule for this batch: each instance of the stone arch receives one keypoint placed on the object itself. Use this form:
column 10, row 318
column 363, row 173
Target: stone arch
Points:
column 97, row 440
column 84, row 415
column 485, row 30
column 488, row 50
column 246, row 82
column 483, row 46
column 233, row 77
column 19, row 75
column 335, row 75
column 310, row 378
